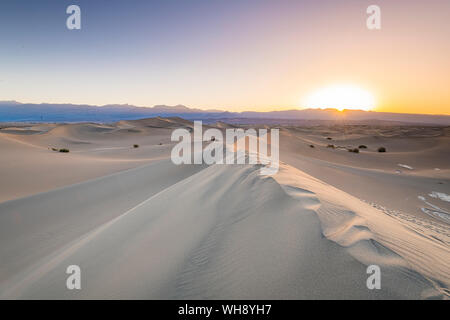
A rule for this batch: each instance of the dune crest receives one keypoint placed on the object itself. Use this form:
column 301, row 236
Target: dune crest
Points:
column 374, row 236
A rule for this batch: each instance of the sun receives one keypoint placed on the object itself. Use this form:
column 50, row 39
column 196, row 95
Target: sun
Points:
column 341, row 97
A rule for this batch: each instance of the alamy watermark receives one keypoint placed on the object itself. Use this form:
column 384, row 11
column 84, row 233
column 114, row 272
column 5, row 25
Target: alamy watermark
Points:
column 373, row 21
column 374, row 280
column 239, row 147
column 74, row 20
column 73, row 281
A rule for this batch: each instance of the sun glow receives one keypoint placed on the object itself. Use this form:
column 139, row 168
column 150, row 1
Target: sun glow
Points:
column 341, row 97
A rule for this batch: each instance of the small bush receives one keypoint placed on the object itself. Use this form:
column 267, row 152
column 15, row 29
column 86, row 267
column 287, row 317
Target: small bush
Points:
column 55, row 149
column 381, row 149
column 135, row 146
column 355, row 150
column 328, row 138
column 311, row 146
column 362, row 147
column 64, row 150
column 160, row 143
column 330, row 146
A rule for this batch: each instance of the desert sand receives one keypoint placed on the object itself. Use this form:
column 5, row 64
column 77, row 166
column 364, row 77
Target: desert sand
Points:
column 141, row 227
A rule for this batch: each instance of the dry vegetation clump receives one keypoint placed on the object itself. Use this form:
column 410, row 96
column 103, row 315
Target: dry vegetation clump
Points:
column 63, row 150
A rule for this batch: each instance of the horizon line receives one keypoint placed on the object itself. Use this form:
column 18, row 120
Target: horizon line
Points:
column 212, row 109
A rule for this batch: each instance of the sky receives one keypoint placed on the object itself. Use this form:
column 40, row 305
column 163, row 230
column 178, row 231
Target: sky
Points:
column 231, row 55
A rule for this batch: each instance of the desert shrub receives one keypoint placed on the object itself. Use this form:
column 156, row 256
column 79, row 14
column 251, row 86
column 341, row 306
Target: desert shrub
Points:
column 311, row 146
column 135, row 146
column 160, row 143
column 64, row 150
column 330, row 146
column 355, row 150
column 381, row 149
column 55, row 149
column 362, row 147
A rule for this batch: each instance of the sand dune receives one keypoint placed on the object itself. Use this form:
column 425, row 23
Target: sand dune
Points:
column 230, row 234
column 140, row 227
column 28, row 164
column 36, row 226
column 370, row 175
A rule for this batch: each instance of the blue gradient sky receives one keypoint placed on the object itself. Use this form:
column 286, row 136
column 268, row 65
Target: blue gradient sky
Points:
column 235, row 55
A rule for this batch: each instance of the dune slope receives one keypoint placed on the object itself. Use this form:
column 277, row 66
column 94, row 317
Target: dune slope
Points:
column 227, row 232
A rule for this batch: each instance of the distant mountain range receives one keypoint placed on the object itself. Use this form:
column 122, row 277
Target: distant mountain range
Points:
column 12, row 111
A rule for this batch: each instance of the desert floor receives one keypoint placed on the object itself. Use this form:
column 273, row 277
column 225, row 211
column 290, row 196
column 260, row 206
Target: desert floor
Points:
column 141, row 227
